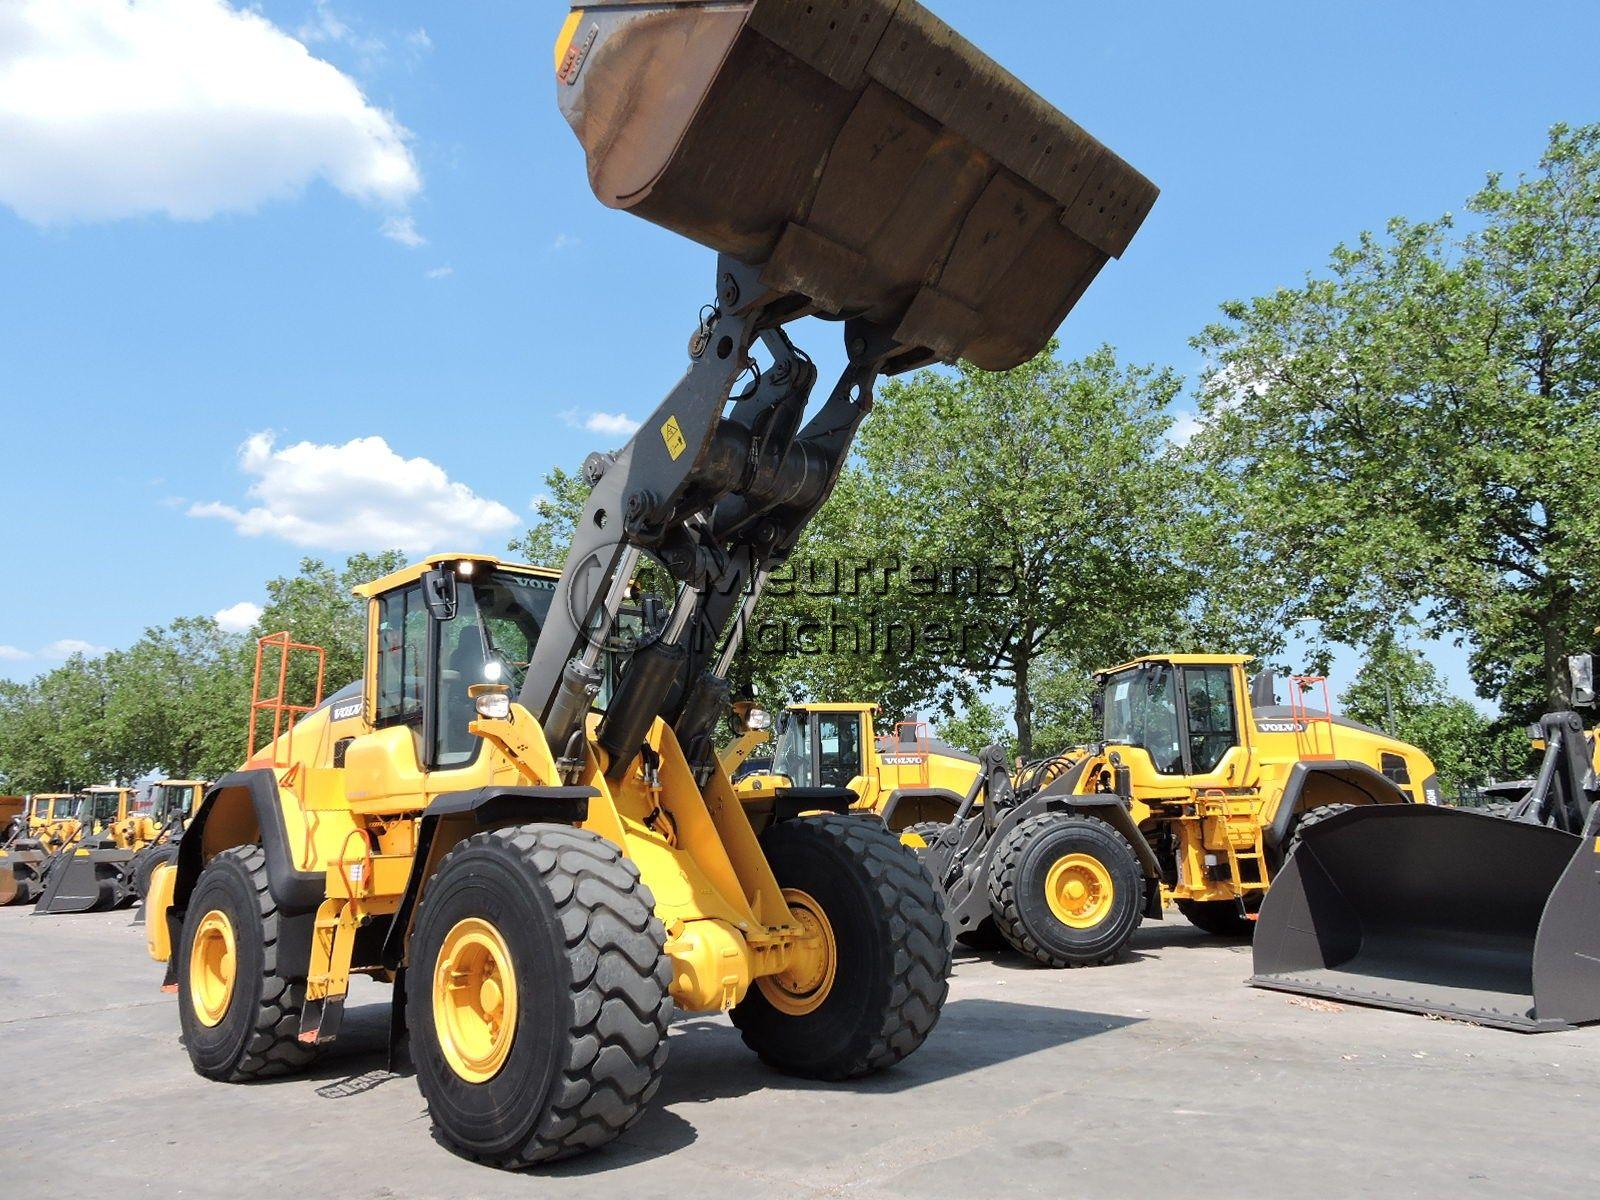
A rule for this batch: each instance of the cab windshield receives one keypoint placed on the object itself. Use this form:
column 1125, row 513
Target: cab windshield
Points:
column 491, row 640
column 1141, row 709
column 170, row 800
column 791, row 753
column 97, row 808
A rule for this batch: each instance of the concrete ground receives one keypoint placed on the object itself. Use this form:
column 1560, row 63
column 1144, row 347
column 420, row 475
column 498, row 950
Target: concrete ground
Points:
column 1161, row 1075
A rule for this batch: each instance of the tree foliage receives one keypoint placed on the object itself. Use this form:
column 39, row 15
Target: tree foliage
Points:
column 1415, row 431
column 1399, row 691
column 177, row 700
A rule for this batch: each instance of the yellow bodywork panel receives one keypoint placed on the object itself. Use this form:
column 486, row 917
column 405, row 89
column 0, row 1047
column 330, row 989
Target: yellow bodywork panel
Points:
column 157, row 901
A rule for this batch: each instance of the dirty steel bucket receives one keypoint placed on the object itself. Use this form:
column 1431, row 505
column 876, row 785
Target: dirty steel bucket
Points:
column 875, row 161
column 85, row 881
column 20, row 872
column 1438, row 910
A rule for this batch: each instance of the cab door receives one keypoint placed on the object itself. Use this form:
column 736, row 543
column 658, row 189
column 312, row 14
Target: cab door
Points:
column 837, row 750
column 1215, row 753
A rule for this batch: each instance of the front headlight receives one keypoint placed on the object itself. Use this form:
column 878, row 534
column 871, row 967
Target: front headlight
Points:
column 492, row 703
column 758, row 718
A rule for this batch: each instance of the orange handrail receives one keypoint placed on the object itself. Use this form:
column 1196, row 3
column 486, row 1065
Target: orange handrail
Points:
column 284, row 713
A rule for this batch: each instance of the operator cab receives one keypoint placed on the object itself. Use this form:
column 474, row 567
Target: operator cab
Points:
column 1182, row 711
column 818, row 748
column 453, row 623
column 100, row 807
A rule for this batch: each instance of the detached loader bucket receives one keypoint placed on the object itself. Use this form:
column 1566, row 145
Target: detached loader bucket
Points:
column 878, row 163
column 20, row 872
column 1440, row 911
column 85, row 881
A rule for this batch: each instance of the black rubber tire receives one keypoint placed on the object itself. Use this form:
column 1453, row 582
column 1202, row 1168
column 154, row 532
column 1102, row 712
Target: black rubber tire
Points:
column 1017, row 890
column 144, row 865
column 1219, row 918
column 893, row 951
column 258, row 1037
column 1313, row 817
column 591, row 1035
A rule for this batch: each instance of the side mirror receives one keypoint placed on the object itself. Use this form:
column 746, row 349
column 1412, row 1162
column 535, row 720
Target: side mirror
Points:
column 1097, row 705
column 439, row 594
column 1580, row 668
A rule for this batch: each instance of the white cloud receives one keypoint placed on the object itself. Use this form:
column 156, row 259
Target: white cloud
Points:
column 237, row 618
column 357, row 496
column 1185, row 424
column 403, row 229
column 12, row 654
column 67, row 647
column 565, row 241
column 440, row 273
column 610, row 424
column 188, row 108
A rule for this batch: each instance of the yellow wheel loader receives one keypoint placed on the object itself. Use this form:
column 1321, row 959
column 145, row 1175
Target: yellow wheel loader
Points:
column 1194, row 798
column 898, row 771
column 1487, row 917
column 92, row 872
column 532, row 838
column 31, row 841
column 154, row 832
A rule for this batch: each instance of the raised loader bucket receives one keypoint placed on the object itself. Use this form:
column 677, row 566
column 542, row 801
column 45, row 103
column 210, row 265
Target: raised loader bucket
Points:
column 878, row 163
column 1442, row 911
column 85, row 881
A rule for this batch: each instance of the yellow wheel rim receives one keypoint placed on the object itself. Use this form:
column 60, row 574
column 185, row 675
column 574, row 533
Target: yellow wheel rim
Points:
column 213, row 966
column 914, row 840
column 804, row 984
column 474, row 1000
column 1079, row 891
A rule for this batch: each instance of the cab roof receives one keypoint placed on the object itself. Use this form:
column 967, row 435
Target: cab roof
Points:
column 1181, row 660
column 416, row 570
column 180, row 783
column 838, row 706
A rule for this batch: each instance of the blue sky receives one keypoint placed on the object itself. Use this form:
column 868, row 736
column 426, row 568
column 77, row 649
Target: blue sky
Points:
column 139, row 353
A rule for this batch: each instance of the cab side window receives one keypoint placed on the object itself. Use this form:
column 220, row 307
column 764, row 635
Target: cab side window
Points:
column 402, row 656
column 1208, row 694
column 1395, row 769
column 839, row 757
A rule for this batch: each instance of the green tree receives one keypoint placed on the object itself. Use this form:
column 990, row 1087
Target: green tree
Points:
column 316, row 606
column 545, row 543
column 1414, row 432
column 1399, row 691
column 180, row 700
column 1040, row 521
column 977, row 725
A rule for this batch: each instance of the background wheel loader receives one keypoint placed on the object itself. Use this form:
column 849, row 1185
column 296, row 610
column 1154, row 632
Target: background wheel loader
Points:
column 92, row 872
column 1488, row 917
column 1194, row 797
column 154, row 832
column 899, row 771
column 31, row 842
column 543, row 857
